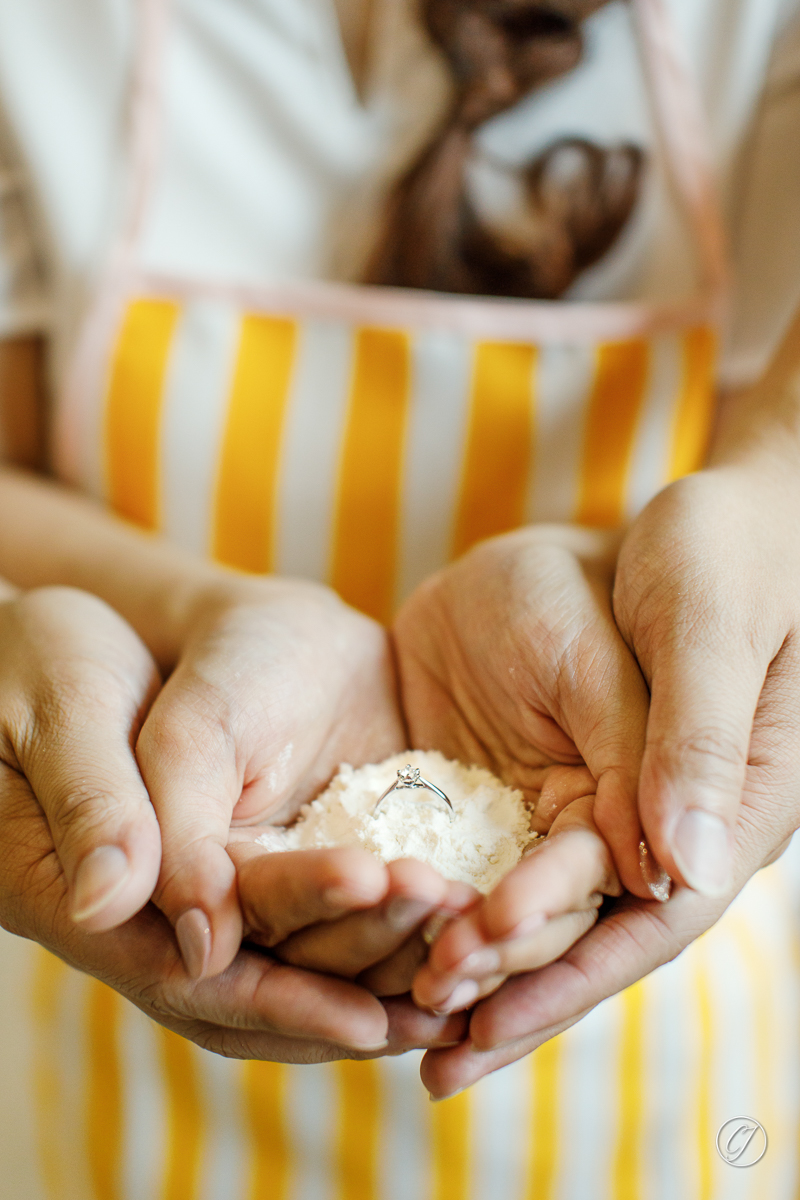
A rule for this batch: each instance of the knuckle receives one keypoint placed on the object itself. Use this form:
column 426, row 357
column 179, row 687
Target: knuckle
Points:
column 713, row 752
column 187, row 724
column 37, row 907
column 153, row 998
column 71, row 703
column 83, row 809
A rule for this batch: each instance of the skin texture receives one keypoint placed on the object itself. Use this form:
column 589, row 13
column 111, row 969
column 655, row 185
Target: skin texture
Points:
column 76, row 685
column 703, row 596
column 510, row 658
column 269, row 696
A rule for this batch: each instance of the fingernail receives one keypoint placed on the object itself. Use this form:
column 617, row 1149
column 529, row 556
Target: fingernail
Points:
column 99, row 877
column 449, row 1096
column 193, row 931
column 461, row 997
column 527, row 927
column 402, row 913
column 485, row 961
column 369, row 1046
column 702, row 849
column 656, row 879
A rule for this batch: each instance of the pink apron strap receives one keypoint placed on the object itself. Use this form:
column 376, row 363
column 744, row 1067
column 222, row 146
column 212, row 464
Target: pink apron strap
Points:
column 146, row 125
column 682, row 128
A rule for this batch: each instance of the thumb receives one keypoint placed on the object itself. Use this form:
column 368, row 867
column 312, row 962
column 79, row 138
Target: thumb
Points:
column 605, row 710
column 703, row 703
column 81, row 768
column 188, row 760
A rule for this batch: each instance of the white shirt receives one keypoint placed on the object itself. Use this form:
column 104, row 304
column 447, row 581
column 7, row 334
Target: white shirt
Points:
column 274, row 168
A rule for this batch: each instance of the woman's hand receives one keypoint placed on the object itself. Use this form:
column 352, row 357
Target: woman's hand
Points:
column 80, row 853
column 532, row 917
column 707, row 596
column 511, row 659
column 286, row 901
column 276, row 683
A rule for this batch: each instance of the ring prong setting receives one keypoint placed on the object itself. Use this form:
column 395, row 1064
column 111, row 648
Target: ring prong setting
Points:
column 409, row 777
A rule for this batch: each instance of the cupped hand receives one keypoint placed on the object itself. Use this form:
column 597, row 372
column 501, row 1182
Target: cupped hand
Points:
column 278, row 682
column 294, row 904
column 258, row 1008
column 510, row 658
column 707, row 596
column 532, row 917
column 80, row 853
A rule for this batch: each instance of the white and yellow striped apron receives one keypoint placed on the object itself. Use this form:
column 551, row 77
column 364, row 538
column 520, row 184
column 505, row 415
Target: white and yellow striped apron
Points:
column 363, row 437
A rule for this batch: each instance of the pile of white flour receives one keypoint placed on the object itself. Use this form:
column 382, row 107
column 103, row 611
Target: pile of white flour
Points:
column 479, row 844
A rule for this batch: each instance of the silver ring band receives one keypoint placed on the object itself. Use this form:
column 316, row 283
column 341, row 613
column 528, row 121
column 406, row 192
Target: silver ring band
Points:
column 409, row 777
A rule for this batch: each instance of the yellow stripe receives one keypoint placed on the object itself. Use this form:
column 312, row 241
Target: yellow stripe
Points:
column 370, row 473
column 495, row 480
column 248, row 474
column 185, row 1123
column 546, row 1073
column 451, row 1135
column 763, row 1045
column 706, row 1134
column 48, row 979
column 104, row 1123
column 264, row 1098
column 615, row 405
column 628, row 1153
column 359, row 1122
column 695, row 409
column 133, row 410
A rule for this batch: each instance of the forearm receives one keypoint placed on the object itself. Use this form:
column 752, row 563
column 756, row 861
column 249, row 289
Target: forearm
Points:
column 51, row 535
column 760, row 425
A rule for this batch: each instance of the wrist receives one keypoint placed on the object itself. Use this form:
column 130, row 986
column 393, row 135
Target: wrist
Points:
column 758, row 426
column 213, row 597
column 598, row 548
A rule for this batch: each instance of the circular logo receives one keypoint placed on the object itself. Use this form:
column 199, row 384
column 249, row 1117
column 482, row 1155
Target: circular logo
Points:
column 742, row 1142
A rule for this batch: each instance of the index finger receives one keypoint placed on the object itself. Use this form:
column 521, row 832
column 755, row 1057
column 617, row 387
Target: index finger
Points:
column 634, row 939
column 529, row 1009
column 562, row 874
column 286, row 891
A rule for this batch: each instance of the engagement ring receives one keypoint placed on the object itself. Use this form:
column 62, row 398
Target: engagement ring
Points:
column 409, row 777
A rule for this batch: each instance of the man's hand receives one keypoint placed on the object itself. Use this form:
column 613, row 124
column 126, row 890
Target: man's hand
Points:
column 707, row 596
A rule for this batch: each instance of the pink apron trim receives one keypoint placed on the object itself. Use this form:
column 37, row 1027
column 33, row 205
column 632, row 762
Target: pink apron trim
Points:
column 682, row 127
column 480, row 317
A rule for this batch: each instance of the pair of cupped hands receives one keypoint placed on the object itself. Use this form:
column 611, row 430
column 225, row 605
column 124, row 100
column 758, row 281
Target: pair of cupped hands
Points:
column 644, row 687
